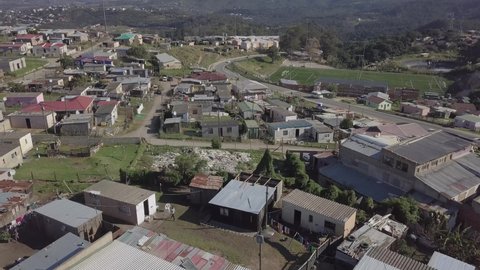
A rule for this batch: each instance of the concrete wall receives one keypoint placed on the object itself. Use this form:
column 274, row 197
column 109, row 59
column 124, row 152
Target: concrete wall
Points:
column 37, row 121
column 318, row 222
column 25, row 142
column 76, row 129
column 214, row 132
column 12, row 159
column 54, row 229
column 14, row 65
column 322, row 137
column 290, row 135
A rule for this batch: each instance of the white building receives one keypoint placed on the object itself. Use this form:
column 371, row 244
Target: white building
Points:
column 468, row 121
column 130, row 204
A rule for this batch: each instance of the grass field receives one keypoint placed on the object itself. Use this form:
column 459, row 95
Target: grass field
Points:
column 76, row 172
column 260, row 66
column 308, row 76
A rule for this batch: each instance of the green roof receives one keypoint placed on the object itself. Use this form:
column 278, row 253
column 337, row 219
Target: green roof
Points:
column 125, row 36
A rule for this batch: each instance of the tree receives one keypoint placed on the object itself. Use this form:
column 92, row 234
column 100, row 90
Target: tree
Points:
column 79, row 81
column 313, row 187
column 216, row 143
column 404, row 209
column 16, row 87
column 138, row 52
column 331, row 193
column 348, row 197
column 185, row 167
column 265, row 166
column 273, row 53
column 361, row 217
column 367, row 204
column 346, row 123
column 66, row 62
column 459, row 243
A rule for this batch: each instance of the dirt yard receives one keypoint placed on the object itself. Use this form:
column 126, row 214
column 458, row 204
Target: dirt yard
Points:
column 12, row 251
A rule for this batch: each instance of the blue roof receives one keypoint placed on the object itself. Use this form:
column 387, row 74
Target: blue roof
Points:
column 299, row 123
column 365, row 185
column 54, row 254
column 242, row 196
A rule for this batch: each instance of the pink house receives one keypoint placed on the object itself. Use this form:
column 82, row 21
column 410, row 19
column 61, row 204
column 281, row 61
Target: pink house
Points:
column 22, row 99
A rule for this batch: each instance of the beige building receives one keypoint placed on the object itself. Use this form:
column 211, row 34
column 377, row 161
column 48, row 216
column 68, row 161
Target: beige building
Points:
column 130, row 204
column 12, row 64
column 410, row 108
column 317, row 214
column 10, row 156
column 32, row 120
column 24, row 139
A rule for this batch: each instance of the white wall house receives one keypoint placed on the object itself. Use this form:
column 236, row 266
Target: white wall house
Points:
column 127, row 203
column 468, row 121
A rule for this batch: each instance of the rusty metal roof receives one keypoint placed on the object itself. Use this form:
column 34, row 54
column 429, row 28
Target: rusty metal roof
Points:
column 207, row 182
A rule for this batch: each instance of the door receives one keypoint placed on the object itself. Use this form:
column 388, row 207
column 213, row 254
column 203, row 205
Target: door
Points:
column 297, row 133
column 29, row 124
column 297, row 218
column 145, row 208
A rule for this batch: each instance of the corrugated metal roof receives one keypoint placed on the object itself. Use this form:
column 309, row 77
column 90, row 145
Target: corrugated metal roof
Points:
column 454, row 177
column 469, row 117
column 120, row 192
column 68, row 212
column 441, row 261
column 366, row 145
column 430, row 147
column 242, row 196
column 120, row 256
column 319, row 205
column 54, row 254
column 382, row 258
column 166, row 58
column 207, row 182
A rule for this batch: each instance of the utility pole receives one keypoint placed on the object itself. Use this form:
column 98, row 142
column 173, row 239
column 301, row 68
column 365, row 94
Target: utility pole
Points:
column 104, row 17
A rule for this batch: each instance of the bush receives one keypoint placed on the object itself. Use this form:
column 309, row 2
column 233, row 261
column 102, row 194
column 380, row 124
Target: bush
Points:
column 404, row 209
column 216, row 144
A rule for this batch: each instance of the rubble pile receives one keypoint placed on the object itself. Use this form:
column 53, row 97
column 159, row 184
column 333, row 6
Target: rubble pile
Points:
column 217, row 160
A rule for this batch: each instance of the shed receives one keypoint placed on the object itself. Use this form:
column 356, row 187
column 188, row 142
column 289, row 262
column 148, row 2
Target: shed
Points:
column 204, row 187
column 242, row 204
column 127, row 203
column 172, row 125
column 317, row 214
column 252, row 129
column 59, row 217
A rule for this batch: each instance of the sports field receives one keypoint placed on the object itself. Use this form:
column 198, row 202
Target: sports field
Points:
column 308, row 76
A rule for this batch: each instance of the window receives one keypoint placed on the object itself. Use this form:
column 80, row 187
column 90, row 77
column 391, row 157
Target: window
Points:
column 310, row 218
column 329, row 225
column 224, row 212
column 229, row 130
column 210, row 131
column 285, row 132
column 388, row 161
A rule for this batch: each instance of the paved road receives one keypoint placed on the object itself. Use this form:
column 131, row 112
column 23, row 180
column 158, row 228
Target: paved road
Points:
column 358, row 109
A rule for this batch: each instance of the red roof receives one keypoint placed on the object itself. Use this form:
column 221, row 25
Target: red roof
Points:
column 79, row 103
column 27, row 36
column 48, row 45
column 209, row 76
column 207, row 182
column 464, row 108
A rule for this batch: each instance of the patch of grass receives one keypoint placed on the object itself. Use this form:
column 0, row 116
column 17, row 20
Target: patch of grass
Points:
column 106, row 163
column 32, row 64
column 308, row 76
column 259, row 66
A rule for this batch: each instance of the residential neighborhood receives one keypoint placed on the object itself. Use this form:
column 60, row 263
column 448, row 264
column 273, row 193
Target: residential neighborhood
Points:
column 134, row 148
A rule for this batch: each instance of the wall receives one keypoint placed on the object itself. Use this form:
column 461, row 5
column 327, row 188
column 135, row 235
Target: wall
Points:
column 317, row 225
column 119, row 210
column 291, row 134
column 76, row 129
column 37, row 121
column 25, row 143
column 12, row 159
column 213, row 132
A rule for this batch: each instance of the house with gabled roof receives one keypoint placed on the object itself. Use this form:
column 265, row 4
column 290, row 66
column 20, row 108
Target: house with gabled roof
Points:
column 379, row 103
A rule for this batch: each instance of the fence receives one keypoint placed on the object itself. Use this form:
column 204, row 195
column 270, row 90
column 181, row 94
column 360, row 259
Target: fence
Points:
column 310, row 263
column 85, row 140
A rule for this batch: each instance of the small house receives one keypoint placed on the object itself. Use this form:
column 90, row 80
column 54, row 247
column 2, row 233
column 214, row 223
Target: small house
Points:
column 282, row 115
column 221, row 127
column 253, row 129
column 317, row 214
column 242, row 204
column 23, row 99
column 50, row 49
column 172, row 125
column 106, row 113
column 379, row 103
column 32, row 120
column 123, row 202
column 468, row 121
column 22, row 138
column 204, row 187
column 8, row 64
column 166, row 61
column 77, row 125
column 294, row 130
column 10, row 155
column 414, row 109
column 249, row 110
column 59, row 217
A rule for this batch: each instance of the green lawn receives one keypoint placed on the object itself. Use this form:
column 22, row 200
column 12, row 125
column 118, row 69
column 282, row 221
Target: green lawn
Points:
column 260, row 66
column 105, row 164
column 32, row 64
column 308, row 76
